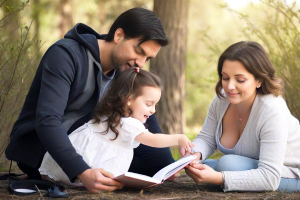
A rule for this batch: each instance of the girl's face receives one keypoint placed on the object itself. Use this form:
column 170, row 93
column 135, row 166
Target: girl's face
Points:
column 143, row 106
column 239, row 84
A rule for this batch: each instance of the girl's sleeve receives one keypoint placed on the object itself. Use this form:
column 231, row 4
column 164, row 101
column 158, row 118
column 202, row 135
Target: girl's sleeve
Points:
column 131, row 128
column 272, row 136
column 205, row 141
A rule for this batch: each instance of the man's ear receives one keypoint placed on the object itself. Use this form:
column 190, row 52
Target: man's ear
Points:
column 119, row 35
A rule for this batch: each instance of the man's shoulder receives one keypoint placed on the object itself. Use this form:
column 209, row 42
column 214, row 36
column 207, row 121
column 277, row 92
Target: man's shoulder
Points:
column 68, row 43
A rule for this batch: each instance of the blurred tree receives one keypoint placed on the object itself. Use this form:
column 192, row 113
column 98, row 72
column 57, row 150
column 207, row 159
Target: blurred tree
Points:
column 279, row 33
column 36, row 12
column 65, row 16
column 12, row 15
column 170, row 64
column 16, row 57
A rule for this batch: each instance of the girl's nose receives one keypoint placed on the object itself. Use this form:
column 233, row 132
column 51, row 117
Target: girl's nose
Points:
column 152, row 111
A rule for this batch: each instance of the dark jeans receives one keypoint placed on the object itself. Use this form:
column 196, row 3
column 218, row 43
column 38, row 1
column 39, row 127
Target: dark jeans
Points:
column 32, row 173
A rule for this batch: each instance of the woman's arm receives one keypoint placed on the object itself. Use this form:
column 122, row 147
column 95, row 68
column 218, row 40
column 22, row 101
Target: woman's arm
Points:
column 205, row 141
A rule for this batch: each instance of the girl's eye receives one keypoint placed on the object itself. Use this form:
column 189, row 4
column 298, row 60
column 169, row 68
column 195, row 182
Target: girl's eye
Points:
column 149, row 105
column 225, row 79
column 241, row 81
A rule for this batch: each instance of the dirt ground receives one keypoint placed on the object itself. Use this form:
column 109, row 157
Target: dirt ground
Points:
column 184, row 188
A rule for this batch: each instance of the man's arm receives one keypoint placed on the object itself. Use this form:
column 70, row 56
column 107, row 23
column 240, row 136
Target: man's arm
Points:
column 58, row 71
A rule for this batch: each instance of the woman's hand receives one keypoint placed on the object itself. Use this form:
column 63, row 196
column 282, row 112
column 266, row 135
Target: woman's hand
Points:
column 185, row 144
column 202, row 173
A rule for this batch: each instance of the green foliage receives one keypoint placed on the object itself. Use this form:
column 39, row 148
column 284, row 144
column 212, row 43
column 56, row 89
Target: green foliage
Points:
column 279, row 34
column 16, row 71
column 274, row 24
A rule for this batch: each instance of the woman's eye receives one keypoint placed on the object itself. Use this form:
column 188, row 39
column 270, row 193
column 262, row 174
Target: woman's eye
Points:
column 148, row 105
column 241, row 81
column 225, row 79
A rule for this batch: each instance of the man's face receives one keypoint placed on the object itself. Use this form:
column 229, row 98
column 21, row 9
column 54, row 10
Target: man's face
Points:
column 129, row 53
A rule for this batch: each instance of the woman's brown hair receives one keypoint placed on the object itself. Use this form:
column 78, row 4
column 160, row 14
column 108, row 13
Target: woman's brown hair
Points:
column 114, row 103
column 255, row 59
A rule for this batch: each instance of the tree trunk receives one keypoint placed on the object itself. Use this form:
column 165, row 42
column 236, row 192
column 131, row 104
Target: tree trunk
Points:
column 170, row 64
column 66, row 20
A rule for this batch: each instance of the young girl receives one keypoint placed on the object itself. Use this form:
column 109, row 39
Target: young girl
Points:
column 107, row 141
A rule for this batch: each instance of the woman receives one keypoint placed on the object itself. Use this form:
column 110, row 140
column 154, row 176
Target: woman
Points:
column 251, row 124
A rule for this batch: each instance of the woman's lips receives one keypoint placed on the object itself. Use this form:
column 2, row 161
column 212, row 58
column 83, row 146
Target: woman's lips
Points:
column 232, row 94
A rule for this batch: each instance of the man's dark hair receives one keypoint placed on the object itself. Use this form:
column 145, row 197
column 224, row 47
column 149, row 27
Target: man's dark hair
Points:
column 139, row 22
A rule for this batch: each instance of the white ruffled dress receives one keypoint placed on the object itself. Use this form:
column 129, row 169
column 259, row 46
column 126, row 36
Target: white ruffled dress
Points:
column 98, row 150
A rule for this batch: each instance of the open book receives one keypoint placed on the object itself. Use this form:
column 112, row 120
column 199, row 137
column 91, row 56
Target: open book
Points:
column 139, row 181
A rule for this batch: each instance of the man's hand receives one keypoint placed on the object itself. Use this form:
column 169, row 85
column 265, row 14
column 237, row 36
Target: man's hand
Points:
column 95, row 180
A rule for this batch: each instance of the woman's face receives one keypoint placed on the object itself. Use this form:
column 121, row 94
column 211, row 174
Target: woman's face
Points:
column 239, row 84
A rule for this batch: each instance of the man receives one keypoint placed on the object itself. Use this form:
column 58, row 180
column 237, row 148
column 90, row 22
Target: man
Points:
column 71, row 78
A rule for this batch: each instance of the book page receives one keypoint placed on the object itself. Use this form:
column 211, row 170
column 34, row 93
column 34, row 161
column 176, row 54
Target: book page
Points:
column 133, row 180
column 171, row 169
column 142, row 177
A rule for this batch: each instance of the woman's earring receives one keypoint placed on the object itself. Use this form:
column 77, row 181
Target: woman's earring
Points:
column 128, row 103
column 258, row 87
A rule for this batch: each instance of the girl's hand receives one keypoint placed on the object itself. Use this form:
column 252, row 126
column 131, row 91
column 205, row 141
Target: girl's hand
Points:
column 186, row 144
column 202, row 173
column 181, row 150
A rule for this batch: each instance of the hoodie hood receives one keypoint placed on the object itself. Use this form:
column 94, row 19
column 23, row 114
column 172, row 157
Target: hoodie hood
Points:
column 87, row 37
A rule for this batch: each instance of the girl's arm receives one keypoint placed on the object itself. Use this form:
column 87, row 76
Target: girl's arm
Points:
column 162, row 140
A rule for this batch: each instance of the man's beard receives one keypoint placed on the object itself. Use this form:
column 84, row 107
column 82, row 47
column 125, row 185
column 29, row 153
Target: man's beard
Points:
column 116, row 61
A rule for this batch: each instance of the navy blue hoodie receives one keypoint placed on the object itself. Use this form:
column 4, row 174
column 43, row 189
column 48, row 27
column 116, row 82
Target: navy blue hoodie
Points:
column 60, row 78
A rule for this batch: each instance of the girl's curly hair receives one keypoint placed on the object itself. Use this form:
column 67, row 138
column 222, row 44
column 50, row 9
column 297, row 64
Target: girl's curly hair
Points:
column 114, row 104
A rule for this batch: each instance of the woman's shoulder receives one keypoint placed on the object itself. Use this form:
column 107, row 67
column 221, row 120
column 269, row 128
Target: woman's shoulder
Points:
column 271, row 101
column 270, row 104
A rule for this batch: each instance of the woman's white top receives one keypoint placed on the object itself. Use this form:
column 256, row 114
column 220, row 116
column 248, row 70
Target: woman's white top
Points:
column 271, row 135
column 98, row 149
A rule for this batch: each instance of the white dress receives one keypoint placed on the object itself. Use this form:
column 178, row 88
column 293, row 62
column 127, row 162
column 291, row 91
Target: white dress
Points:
column 98, row 149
